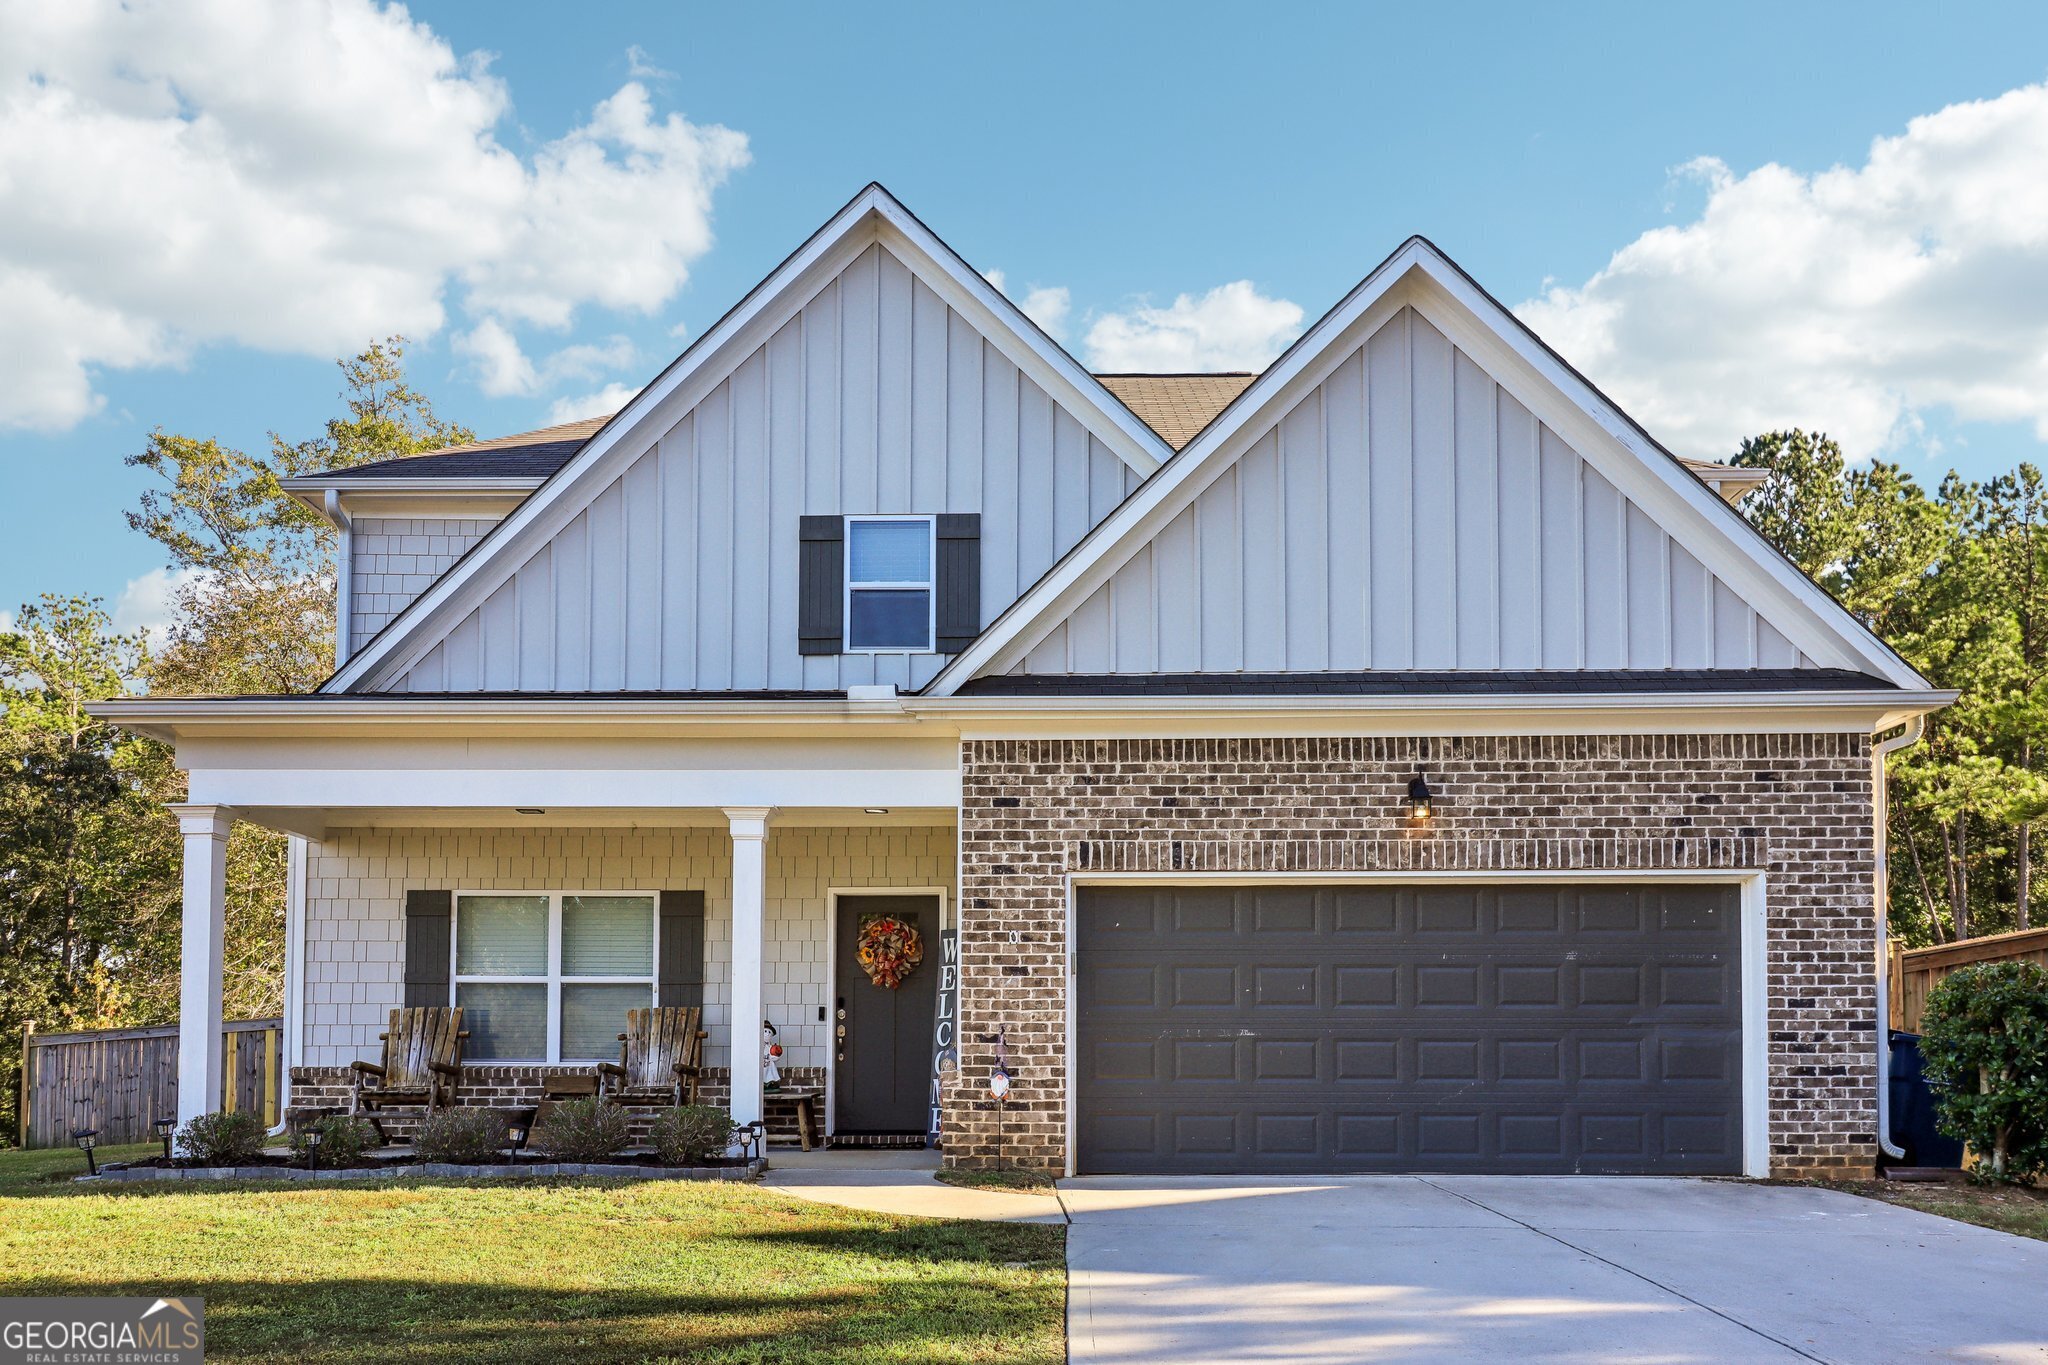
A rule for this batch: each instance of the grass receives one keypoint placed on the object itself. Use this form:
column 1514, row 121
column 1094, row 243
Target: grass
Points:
column 53, row 1167
column 1012, row 1178
column 569, row 1271
column 2023, row 1212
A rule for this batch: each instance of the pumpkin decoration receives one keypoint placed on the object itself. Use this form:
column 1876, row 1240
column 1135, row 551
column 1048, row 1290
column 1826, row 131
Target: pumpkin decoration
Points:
column 888, row 950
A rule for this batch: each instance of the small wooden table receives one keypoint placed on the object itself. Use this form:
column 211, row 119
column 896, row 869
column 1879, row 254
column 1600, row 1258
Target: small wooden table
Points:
column 805, row 1098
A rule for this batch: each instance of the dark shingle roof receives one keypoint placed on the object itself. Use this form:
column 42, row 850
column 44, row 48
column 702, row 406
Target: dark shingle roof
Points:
column 528, row 455
column 1388, row 683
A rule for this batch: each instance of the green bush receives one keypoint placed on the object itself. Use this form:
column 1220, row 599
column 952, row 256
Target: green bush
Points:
column 343, row 1140
column 463, row 1137
column 222, row 1139
column 691, row 1134
column 1984, row 1036
column 582, row 1130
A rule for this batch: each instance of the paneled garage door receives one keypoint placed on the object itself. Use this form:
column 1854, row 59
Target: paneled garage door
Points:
column 1537, row 1028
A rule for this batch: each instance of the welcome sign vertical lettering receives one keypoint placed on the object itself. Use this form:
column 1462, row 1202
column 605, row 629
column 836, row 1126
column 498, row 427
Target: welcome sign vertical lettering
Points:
column 945, row 1035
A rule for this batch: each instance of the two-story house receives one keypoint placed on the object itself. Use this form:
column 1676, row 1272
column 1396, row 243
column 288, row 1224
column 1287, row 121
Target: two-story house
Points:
column 1392, row 760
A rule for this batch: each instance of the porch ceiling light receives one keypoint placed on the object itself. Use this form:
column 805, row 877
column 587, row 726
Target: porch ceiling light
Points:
column 164, row 1129
column 1419, row 799
column 528, row 810
column 876, row 810
column 87, row 1139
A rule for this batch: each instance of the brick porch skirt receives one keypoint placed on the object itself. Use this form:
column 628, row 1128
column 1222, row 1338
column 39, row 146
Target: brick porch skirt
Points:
column 492, row 1085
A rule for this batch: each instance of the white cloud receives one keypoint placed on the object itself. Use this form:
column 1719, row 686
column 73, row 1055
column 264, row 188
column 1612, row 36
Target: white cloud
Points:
column 149, row 603
column 1854, row 300
column 1046, row 305
column 502, row 368
column 641, row 67
column 1232, row 327
column 302, row 176
column 603, row 403
column 6, row 622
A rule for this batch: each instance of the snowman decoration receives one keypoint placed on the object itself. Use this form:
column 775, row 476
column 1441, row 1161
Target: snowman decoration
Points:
column 771, row 1054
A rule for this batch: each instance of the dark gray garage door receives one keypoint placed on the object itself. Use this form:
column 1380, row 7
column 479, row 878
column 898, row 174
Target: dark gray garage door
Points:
column 1539, row 1028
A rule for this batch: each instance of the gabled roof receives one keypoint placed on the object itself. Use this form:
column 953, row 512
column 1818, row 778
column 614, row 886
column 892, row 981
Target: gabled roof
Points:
column 1420, row 275
column 873, row 215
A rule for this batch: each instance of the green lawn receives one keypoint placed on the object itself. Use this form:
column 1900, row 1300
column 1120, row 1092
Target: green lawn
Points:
column 2023, row 1212
column 572, row 1271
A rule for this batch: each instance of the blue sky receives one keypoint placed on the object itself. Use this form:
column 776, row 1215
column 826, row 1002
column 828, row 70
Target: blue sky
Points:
column 1127, row 154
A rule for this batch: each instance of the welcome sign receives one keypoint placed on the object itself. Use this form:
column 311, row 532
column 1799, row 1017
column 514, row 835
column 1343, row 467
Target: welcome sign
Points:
column 945, row 1030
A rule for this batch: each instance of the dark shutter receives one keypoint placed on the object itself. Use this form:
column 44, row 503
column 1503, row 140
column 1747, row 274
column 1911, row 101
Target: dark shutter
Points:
column 682, row 948
column 427, row 979
column 821, row 586
column 959, row 580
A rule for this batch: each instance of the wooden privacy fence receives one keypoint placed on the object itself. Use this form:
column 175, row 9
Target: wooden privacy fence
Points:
column 119, row 1080
column 1916, row 970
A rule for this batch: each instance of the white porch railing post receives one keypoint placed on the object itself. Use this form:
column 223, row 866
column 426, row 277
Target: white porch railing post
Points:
column 749, row 826
column 199, row 967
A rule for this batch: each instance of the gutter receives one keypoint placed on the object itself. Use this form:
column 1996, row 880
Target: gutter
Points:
column 344, row 571
column 1915, row 729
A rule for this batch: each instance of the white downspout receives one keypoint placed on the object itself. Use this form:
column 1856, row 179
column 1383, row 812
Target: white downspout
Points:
column 294, row 973
column 1884, row 748
column 344, row 561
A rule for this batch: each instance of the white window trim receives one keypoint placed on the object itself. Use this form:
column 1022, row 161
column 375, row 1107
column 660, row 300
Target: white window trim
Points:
column 553, row 980
column 929, row 585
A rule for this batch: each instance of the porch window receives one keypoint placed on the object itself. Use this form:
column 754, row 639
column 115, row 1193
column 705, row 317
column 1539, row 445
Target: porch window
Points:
column 548, row 977
column 889, row 596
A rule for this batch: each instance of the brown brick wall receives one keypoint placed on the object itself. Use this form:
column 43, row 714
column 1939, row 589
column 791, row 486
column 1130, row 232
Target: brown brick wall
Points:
column 1798, row 807
column 501, row 1085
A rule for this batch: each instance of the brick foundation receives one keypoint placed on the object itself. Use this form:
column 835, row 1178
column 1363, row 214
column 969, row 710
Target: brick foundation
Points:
column 1796, row 807
column 494, row 1085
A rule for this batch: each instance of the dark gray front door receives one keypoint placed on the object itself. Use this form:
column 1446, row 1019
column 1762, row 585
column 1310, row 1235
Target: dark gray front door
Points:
column 1538, row 1028
column 882, row 1078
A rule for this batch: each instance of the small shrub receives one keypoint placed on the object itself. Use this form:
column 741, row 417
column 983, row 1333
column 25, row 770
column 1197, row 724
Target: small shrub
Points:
column 343, row 1140
column 1984, row 1035
column 461, row 1137
column 582, row 1130
column 222, row 1139
column 691, row 1134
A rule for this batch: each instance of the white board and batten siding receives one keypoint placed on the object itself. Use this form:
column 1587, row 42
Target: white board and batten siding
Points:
column 876, row 397
column 1409, row 513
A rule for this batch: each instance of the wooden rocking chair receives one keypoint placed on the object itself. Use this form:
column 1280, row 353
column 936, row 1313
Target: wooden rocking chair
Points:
column 422, row 1064
column 661, row 1058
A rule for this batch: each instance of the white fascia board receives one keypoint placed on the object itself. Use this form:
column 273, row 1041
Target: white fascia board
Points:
column 867, row 218
column 1022, row 341
column 1066, row 585
column 548, row 788
column 1845, row 712
column 1820, row 627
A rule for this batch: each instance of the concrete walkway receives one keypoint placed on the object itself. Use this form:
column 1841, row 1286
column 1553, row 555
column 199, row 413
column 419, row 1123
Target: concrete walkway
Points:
column 899, row 1182
column 1579, row 1269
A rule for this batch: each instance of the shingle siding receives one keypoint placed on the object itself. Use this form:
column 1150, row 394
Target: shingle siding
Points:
column 392, row 560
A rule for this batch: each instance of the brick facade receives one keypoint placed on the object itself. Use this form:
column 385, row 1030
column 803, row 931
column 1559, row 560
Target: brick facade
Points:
column 1796, row 807
column 496, row 1085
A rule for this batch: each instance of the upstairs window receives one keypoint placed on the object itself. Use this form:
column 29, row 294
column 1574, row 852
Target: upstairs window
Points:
column 890, row 597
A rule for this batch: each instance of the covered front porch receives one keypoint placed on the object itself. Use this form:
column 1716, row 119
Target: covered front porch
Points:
column 547, row 917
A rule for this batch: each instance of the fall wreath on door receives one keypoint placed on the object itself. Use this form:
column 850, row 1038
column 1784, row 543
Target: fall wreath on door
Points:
column 888, row 949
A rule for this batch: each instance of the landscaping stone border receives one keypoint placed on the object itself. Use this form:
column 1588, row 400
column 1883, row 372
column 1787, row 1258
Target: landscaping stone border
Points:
column 438, row 1170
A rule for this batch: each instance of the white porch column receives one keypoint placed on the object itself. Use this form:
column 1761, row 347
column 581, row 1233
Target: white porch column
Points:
column 199, row 966
column 749, row 825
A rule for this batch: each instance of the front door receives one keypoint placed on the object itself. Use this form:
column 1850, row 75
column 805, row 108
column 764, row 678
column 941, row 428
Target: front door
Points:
column 882, row 1080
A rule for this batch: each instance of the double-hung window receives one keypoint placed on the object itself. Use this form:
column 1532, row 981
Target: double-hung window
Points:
column 548, row 977
column 889, row 597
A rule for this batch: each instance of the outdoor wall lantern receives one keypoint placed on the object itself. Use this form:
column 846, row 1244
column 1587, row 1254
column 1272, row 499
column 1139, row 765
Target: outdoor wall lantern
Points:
column 87, row 1139
column 312, row 1136
column 1419, row 798
column 164, row 1129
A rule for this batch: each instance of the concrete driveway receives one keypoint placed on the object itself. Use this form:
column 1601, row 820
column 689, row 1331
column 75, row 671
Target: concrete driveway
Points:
column 1508, row 1269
